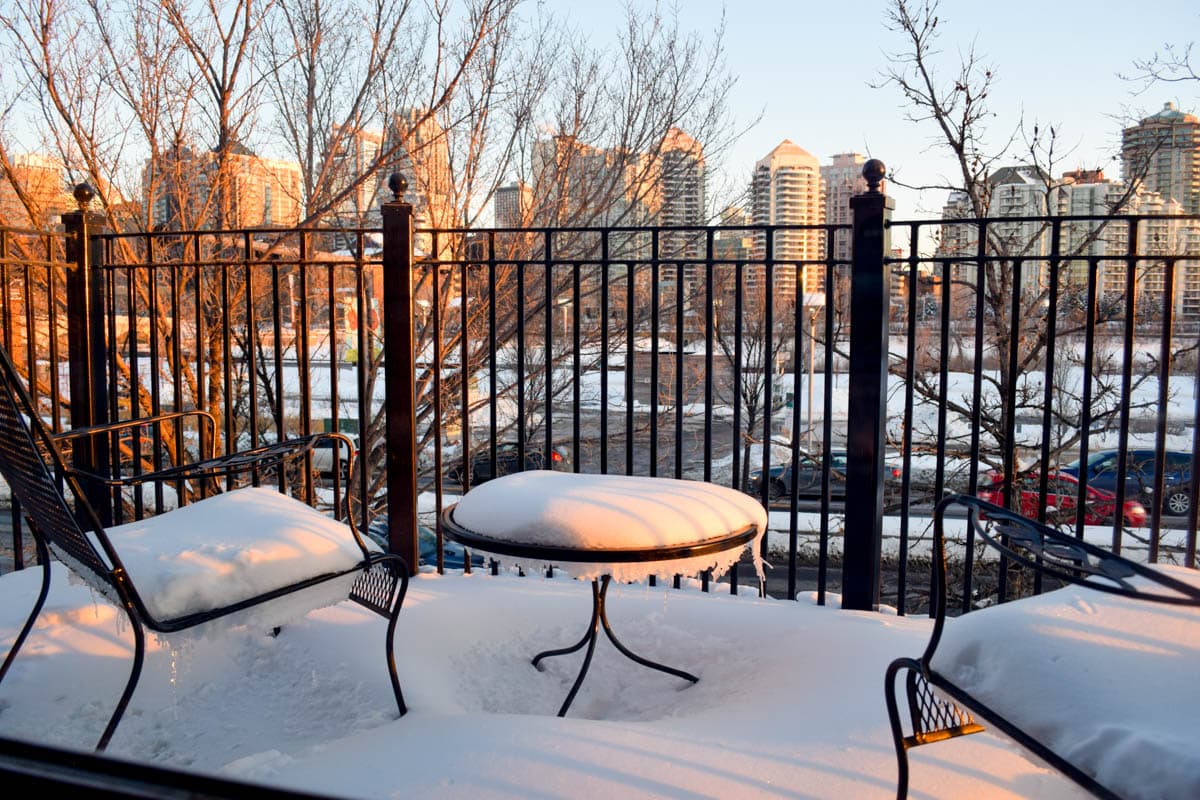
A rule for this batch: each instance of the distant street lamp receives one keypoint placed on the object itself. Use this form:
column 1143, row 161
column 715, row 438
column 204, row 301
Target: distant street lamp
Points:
column 814, row 302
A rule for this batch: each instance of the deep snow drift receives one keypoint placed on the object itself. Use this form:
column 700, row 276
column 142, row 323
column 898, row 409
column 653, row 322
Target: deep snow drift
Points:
column 789, row 703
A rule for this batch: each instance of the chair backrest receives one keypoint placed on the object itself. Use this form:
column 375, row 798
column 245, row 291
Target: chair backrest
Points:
column 1051, row 553
column 1070, row 560
column 25, row 446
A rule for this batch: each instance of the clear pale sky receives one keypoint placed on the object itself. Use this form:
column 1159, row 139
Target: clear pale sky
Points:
column 807, row 65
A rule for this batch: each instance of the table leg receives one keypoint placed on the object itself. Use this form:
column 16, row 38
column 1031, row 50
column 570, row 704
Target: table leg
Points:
column 589, row 639
column 599, row 619
column 645, row 662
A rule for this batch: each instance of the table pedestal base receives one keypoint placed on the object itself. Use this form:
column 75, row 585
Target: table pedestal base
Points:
column 600, row 619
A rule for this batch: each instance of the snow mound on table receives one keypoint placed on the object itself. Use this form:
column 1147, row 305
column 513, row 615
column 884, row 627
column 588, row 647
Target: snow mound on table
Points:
column 611, row 512
column 1107, row 682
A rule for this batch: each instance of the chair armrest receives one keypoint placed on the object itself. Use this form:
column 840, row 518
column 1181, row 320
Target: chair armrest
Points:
column 209, row 421
column 261, row 457
column 144, row 431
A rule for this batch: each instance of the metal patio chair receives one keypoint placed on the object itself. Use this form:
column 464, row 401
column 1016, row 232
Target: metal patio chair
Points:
column 30, row 460
column 937, row 707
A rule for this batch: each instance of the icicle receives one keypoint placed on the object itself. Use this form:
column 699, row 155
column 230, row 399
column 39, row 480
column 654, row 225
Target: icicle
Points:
column 174, row 672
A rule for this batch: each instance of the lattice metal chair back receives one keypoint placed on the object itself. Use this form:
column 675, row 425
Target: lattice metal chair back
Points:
column 25, row 446
column 32, row 464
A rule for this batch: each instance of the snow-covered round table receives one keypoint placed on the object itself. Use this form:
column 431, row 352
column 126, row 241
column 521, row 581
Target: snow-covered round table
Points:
column 599, row 527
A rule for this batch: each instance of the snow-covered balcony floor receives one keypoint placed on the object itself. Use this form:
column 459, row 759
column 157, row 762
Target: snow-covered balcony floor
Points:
column 789, row 703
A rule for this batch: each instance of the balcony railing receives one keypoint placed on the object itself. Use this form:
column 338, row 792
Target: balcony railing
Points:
column 668, row 351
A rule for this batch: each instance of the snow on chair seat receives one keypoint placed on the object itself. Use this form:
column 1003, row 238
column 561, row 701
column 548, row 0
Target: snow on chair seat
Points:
column 1038, row 659
column 232, row 547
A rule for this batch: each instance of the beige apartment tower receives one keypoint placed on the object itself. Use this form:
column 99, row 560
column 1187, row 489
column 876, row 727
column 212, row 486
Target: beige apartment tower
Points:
column 415, row 145
column 40, row 179
column 353, row 153
column 786, row 190
column 1162, row 154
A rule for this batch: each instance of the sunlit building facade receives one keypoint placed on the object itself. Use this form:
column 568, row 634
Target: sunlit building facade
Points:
column 785, row 189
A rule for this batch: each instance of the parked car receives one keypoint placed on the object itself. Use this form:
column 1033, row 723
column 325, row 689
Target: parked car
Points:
column 507, row 462
column 453, row 553
column 1062, row 495
column 1139, row 476
column 808, row 478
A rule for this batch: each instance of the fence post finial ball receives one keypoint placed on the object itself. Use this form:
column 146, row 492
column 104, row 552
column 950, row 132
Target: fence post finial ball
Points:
column 873, row 171
column 398, row 185
column 83, row 195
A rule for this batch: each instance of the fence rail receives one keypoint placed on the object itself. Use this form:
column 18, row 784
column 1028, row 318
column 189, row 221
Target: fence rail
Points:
column 723, row 354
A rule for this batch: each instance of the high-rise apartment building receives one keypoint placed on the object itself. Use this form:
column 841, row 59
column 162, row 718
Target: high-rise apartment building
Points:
column 418, row 149
column 1157, row 236
column 266, row 191
column 353, row 154
column 1024, row 191
column 511, row 205
column 841, row 180
column 1162, row 154
column 186, row 189
column 786, row 190
column 1019, row 191
column 577, row 184
column 40, row 179
column 681, row 192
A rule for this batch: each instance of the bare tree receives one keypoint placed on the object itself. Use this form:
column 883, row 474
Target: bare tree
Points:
column 583, row 128
column 755, row 350
column 1012, row 287
column 1175, row 63
column 160, row 102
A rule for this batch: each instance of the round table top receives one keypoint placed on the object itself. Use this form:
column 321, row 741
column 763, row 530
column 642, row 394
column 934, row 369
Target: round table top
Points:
column 593, row 555
column 623, row 525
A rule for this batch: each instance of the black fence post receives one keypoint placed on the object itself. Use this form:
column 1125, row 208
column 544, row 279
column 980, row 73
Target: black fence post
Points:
column 400, row 374
column 870, row 297
column 87, row 354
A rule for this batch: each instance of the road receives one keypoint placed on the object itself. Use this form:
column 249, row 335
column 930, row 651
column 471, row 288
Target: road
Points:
column 618, row 447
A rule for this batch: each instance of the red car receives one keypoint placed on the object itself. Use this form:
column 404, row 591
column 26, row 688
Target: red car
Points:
column 1062, row 492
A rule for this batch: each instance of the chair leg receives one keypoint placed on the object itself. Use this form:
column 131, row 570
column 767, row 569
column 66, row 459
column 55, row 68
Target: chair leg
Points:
column 391, row 635
column 44, row 557
column 893, row 708
column 139, row 654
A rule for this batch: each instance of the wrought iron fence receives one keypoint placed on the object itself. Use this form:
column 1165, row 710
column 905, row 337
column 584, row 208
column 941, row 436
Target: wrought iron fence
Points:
column 1051, row 353
column 261, row 328
column 719, row 353
column 629, row 350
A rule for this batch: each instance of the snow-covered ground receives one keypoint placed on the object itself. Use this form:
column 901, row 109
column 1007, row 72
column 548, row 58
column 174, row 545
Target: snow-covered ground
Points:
column 789, row 703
